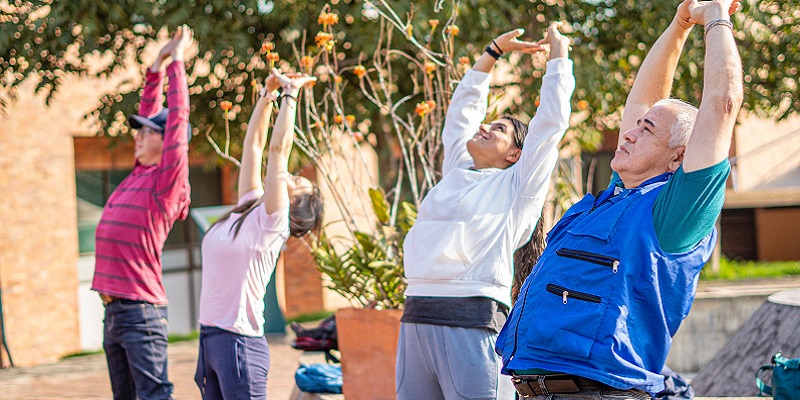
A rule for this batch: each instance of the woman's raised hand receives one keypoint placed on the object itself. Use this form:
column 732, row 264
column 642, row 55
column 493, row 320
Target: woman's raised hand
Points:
column 292, row 82
column 508, row 42
column 559, row 44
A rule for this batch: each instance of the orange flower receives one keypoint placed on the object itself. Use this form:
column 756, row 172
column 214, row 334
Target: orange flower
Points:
column 433, row 23
column 350, row 119
column 326, row 19
column 583, row 104
column 273, row 57
column 267, row 46
column 338, row 119
column 464, row 60
column 536, row 103
column 225, row 105
column 424, row 107
column 360, row 71
column 323, row 38
column 452, row 30
column 307, row 62
column 429, row 67
column 337, row 78
column 319, row 124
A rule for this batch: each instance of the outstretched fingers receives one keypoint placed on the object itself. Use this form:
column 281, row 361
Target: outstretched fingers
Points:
column 558, row 43
column 509, row 42
column 292, row 80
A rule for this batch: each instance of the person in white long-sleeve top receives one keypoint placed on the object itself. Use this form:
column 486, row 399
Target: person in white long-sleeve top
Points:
column 459, row 254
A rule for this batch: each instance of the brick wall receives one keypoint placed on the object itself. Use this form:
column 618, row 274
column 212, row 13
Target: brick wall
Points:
column 39, row 244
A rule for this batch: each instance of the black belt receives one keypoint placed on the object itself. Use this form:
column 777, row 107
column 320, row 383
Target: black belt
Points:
column 534, row 385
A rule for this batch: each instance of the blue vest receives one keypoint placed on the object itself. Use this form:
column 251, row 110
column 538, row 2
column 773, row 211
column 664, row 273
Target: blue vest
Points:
column 604, row 300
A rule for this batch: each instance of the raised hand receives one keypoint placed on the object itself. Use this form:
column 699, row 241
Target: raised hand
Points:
column 508, row 42
column 703, row 12
column 559, row 44
column 292, row 83
column 181, row 41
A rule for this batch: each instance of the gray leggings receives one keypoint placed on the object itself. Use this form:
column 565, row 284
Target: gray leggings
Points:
column 441, row 362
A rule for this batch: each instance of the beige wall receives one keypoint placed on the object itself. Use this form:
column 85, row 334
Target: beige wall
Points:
column 39, row 243
column 764, row 151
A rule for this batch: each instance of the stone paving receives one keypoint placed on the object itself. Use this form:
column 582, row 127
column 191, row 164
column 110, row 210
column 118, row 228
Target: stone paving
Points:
column 86, row 377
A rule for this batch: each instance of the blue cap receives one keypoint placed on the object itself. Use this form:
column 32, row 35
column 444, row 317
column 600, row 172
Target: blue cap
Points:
column 157, row 122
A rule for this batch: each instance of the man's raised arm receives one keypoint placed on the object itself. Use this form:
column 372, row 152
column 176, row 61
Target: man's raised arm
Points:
column 654, row 79
column 722, row 86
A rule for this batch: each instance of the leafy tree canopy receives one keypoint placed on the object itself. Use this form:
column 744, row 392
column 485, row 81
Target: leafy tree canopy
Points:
column 50, row 38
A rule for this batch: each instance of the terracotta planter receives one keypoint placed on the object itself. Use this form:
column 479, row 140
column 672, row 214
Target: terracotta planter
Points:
column 368, row 342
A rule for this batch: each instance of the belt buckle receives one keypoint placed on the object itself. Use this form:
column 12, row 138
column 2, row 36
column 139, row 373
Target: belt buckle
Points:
column 524, row 387
column 542, row 385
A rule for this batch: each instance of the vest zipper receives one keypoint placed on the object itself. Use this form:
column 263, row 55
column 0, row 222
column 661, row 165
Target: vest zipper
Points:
column 607, row 261
column 567, row 293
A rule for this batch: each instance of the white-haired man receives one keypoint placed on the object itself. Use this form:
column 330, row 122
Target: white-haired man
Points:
column 596, row 316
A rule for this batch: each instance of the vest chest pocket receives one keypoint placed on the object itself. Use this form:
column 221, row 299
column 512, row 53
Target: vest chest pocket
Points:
column 595, row 258
column 600, row 222
column 568, row 316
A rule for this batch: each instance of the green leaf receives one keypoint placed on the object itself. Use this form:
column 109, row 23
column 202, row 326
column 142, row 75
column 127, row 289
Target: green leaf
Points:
column 366, row 241
column 379, row 204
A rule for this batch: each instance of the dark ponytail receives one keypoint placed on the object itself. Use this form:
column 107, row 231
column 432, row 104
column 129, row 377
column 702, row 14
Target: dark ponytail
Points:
column 526, row 257
column 244, row 209
column 305, row 213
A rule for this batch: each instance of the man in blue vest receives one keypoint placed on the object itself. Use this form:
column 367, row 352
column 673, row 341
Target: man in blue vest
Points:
column 595, row 318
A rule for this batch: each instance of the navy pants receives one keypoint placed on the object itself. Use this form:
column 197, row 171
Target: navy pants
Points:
column 231, row 366
column 135, row 342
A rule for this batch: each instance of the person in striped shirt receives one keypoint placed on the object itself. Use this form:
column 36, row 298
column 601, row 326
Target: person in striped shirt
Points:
column 136, row 221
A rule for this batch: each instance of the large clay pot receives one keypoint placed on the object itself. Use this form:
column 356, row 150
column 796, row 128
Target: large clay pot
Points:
column 368, row 342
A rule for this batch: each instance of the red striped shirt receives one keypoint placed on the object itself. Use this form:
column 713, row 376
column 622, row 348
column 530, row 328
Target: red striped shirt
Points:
column 140, row 213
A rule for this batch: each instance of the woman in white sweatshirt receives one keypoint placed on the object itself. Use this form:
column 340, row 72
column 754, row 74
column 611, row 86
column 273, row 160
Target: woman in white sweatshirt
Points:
column 459, row 254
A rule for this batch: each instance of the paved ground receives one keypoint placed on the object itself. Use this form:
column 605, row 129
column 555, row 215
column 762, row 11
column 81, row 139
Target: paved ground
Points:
column 87, row 378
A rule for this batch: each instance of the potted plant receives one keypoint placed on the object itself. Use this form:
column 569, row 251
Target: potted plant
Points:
column 369, row 273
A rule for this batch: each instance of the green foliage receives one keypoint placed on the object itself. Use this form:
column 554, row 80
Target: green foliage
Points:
column 175, row 338
column 738, row 270
column 369, row 272
column 309, row 317
column 51, row 39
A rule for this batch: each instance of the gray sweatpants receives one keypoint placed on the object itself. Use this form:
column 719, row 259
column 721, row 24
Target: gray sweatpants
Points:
column 440, row 362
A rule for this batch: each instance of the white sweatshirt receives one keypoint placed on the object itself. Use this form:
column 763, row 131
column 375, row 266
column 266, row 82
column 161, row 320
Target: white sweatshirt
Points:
column 472, row 221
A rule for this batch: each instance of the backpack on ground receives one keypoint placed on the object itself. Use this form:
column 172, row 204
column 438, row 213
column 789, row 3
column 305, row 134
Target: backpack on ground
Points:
column 785, row 378
column 322, row 338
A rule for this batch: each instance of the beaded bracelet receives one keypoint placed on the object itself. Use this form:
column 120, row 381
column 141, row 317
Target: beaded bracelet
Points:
column 717, row 22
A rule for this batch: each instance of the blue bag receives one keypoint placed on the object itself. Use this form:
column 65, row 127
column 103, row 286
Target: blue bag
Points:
column 785, row 378
column 319, row 378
